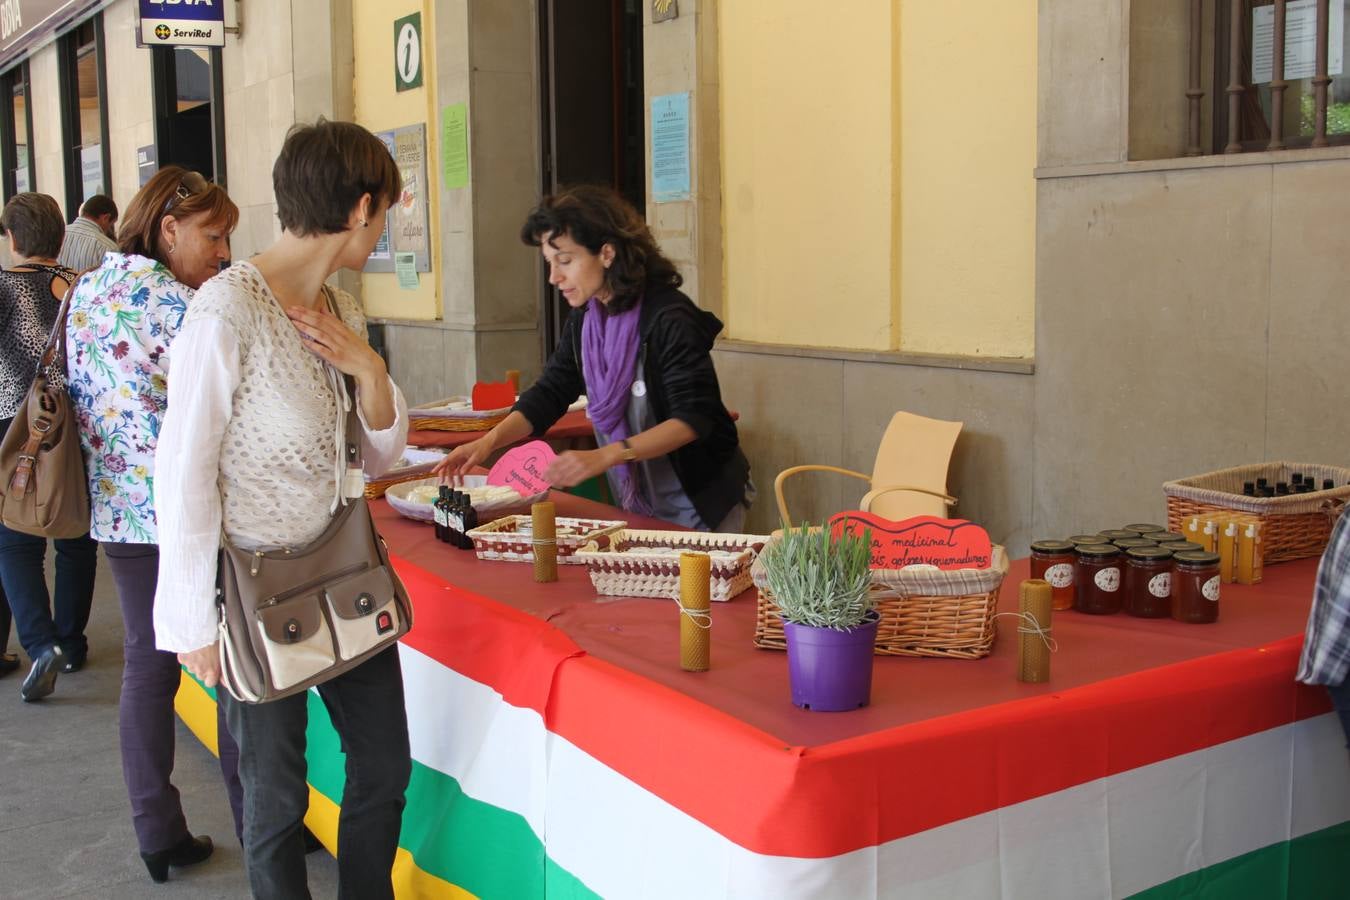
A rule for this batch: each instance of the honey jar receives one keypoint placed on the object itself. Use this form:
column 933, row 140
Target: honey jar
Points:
column 1144, row 528
column 1195, row 587
column 1148, row 582
column 1096, row 579
column 1053, row 561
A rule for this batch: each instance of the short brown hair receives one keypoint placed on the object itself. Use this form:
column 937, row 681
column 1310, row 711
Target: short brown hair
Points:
column 179, row 192
column 593, row 216
column 99, row 205
column 323, row 171
column 35, row 221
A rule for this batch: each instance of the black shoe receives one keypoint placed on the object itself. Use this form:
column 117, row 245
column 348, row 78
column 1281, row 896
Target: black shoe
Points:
column 41, row 679
column 187, row 852
column 9, row 662
column 74, row 662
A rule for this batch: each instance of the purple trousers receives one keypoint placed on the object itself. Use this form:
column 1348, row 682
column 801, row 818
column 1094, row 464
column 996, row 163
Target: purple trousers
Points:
column 150, row 679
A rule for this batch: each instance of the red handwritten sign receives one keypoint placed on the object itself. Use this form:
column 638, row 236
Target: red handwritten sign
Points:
column 522, row 468
column 493, row 395
column 928, row 540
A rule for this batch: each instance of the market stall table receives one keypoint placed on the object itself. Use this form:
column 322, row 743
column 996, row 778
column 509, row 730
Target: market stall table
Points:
column 560, row 750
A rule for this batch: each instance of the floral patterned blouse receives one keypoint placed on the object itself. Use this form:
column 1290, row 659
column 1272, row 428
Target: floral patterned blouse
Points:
column 123, row 316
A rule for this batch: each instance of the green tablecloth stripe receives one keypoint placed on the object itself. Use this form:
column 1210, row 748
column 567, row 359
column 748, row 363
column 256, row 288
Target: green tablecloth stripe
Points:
column 487, row 851
column 1304, row 867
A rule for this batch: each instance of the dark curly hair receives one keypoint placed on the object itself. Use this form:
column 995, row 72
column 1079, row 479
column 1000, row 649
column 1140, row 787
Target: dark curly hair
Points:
column 594, row 216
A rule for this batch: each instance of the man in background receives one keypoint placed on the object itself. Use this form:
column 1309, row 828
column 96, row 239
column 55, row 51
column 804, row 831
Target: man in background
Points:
column 90, row 235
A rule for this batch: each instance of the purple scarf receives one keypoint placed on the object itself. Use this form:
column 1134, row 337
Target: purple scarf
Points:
column 609, row 349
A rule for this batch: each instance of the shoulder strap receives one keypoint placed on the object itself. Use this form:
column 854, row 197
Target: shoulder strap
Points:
column 350, row 446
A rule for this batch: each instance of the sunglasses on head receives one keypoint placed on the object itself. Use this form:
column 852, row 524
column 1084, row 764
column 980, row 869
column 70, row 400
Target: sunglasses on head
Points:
column 183, row 192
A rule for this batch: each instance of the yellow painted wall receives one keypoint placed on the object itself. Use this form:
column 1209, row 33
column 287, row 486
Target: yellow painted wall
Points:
column 380, row 107
column 967, row 193
column 806, row 171
column 877, row 174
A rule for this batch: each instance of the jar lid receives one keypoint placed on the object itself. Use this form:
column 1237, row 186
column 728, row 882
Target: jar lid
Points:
column 1163, row 537
column 1131, row 543
column 1149, row 554
column 1182, row 546
column 1098, row 550
column 1088, row 539
column 1196, row 558
column 1052, row 546
column 1116, row 534
column 1144, row 528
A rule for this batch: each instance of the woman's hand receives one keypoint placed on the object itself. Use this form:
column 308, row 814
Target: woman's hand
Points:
column 463, row 459
column 204, row 662
column 575, row 466
column 329, row 338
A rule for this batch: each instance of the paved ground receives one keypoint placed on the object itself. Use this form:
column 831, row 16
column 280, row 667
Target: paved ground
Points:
column 65, row 826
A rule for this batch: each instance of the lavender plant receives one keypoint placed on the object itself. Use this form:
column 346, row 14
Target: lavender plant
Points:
column 818, row 579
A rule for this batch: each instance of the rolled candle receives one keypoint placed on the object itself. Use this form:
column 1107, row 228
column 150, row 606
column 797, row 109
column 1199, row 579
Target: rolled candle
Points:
column 1036, row 598
column 695, row 619
column 544, row 539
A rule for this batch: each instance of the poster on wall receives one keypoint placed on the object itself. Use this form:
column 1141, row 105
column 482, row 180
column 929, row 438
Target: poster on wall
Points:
column 1300, row 41
column 170, row 23
column 670, row 147
column 407, row 226
column 91, row 170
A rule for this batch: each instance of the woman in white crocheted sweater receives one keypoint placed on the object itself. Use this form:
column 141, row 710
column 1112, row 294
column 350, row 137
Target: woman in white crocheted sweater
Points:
column 248, row 447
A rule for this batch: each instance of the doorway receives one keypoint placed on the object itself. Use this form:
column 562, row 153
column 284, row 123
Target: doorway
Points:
column 591, row 111
column 189, row 113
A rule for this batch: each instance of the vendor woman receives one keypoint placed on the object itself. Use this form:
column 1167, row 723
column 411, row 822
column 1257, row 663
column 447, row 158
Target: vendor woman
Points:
column 639, row 349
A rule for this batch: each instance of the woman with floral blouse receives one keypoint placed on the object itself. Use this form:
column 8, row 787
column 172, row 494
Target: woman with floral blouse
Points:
column 122, row 321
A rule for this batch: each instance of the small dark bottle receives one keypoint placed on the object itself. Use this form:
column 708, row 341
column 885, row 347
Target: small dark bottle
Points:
column 1266, row 491
column 440, row 510
column 1261, row 482
column 1295, row 479
column 1249, row 489
column 470, row 522
column 1327, row 484
column 454, row 526
column 1281, row 489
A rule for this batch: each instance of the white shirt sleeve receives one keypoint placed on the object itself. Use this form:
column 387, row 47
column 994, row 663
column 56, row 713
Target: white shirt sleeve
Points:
column 381, row 449
column 187, row 499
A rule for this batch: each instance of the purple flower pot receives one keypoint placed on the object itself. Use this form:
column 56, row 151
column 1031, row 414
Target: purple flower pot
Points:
column 829, row 670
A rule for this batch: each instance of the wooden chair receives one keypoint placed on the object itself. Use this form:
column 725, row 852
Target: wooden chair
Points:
column 909, row 476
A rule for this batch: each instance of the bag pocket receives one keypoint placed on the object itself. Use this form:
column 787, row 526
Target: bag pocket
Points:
column 296, row 639
column 363, row 611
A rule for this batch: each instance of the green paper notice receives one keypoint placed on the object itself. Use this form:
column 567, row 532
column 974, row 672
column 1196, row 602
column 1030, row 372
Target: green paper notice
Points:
column 455, row 145
column 405, row 264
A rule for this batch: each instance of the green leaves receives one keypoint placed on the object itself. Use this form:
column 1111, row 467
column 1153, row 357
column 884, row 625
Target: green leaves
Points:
column 818, row 579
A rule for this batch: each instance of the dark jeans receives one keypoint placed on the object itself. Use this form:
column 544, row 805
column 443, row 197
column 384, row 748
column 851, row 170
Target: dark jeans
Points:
column 24, row 581
column 1340, row 698
column 366, row 706
column 150, row 679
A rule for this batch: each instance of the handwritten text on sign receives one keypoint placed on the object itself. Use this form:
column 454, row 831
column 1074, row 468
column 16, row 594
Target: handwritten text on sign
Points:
column 945, row 543
column 522, row 468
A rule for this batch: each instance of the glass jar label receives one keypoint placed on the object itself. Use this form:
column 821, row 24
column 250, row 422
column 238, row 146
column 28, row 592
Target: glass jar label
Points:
column 1108, row 579
column 1060, row 575
column 1211, row 589
column 1160, row 585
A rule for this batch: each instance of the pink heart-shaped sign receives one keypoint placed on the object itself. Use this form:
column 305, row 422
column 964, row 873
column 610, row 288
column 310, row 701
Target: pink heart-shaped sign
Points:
column 928, row 540
column 522, row 468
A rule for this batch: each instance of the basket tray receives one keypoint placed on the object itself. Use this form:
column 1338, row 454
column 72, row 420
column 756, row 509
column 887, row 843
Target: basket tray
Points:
column 415, row 463
column 509, row 538
column 942, row 614
column 1292, row 527
column 624, row 570
column 399, row 498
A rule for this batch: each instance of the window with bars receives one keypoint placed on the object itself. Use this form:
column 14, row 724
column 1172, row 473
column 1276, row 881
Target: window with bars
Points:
column 1279, row 78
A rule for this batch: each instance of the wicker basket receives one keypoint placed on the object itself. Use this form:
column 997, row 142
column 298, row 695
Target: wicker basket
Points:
column 454, row 414
column 621, row 572
column 375, row 488
column 1292, row 527
column 945, row 615
column 417, row 463
column 509, row 538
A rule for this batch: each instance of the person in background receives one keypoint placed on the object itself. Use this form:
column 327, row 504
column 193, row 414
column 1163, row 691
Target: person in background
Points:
column 257, row 406
column 124, row 316
column 90, row 235
column 639, row 349
column 30, row 298
column 1326, row 643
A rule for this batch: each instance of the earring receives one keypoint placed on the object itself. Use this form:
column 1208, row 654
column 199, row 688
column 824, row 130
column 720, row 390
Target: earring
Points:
column 364, row 223
column 172, row 247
